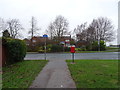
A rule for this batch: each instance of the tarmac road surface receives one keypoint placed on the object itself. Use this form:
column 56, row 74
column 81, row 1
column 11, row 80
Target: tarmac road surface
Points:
column 64, row 56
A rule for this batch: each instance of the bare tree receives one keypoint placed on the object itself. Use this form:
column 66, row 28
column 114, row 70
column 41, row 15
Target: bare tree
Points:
column 90, row 34
column 33, row 30
column 14, row 27
column 103, row 29
column 3, row 25
column 59, row 27
column 80, row 31
column 50, row 29
column 99, row 29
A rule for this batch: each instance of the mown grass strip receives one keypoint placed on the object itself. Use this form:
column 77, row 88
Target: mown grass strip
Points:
column 21, row 74
column 94, row 73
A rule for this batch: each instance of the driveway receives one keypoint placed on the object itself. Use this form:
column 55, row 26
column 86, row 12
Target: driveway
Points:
column 64, row 56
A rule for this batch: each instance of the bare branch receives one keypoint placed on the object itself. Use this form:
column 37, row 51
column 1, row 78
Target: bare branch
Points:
column 58, row 28
column 14, row 27
column 33, row 30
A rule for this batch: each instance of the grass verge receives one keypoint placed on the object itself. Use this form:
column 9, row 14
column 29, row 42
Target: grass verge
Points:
column 94, row 73
column 92, row 51
column 21, row 74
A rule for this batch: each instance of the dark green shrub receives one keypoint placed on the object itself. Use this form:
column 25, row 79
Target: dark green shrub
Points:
column 29, row 49
column 88, row 47
column 56, row 48
column 95, row 46
column 78, row 49
column 49, row 46
column 102, row 46
column 67, row 49
column 6, row 34
column 41, row 49
column 83, row 48
column 16, row 50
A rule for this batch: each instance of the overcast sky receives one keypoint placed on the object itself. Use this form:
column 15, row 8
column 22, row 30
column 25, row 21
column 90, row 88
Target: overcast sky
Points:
column 45, row 11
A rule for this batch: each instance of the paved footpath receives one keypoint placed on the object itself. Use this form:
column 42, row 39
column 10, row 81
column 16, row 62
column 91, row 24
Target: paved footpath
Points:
column 54, row 75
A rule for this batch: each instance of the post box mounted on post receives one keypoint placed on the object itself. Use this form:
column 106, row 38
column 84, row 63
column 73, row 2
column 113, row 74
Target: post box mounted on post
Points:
column 72, row 50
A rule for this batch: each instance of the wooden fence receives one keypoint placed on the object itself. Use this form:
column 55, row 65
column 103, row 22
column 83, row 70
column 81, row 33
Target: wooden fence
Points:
column 2, row 55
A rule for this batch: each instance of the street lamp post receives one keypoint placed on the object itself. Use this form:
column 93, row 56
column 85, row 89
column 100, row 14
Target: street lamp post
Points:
column 98, row 44
column 45, row 36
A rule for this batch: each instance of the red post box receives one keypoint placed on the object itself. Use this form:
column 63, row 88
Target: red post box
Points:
column 72, row 49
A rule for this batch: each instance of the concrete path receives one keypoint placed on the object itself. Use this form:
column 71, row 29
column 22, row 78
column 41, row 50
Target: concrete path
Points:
column 54, row 75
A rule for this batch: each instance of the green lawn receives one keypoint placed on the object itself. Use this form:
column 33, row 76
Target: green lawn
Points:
column 21, row 74
column 94, row 73
column 94, row 51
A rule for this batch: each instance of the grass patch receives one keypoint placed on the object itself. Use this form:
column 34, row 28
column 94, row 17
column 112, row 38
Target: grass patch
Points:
column 21, row 74
column 93, row 51
column 94, row 73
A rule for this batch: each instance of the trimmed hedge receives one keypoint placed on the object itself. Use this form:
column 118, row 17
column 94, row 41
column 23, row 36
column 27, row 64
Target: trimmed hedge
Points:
column 16, row 50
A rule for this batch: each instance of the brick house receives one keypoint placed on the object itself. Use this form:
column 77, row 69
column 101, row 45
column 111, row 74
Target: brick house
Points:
column 65, row 40
column 40, row 41
column 36, row 40
column 81, row 43
column 27, row 41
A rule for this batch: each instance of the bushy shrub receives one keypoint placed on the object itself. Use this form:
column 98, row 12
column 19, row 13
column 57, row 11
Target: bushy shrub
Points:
column 67, row 49
column 56, row 48
column 78, row 49
column 41, row 49
column 89, row 47
column 102, row 46
column 95, row 46
column 29, row 49
column 6, row 34
column 83, row 48
column 16, row 50
column 49, row 46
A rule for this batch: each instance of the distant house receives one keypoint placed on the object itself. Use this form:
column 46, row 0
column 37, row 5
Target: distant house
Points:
column 81, row 43
column 36, row 40
column 27, row 41
column 64, row 40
